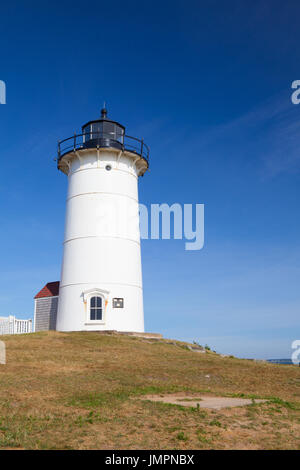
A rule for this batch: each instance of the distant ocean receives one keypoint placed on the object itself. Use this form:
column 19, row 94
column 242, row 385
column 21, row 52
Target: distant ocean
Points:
column 281, row 361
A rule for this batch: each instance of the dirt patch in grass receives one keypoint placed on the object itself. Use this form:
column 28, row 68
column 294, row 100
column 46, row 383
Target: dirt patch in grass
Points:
column 211, row 402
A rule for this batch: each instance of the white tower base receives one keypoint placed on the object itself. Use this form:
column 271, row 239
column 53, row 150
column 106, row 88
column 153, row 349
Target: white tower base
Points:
column 102, row 256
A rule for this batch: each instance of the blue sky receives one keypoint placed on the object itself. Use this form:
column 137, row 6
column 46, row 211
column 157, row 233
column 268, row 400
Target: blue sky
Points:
column 208, row 85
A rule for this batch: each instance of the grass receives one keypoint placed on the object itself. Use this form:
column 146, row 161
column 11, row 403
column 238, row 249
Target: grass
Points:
column 82, row 391
column 190, row 399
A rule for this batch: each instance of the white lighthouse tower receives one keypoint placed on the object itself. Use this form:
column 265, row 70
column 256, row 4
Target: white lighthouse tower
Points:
column 101, row 280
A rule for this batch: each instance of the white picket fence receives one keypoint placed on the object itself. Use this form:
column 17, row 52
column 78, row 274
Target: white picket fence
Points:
column 12, row 326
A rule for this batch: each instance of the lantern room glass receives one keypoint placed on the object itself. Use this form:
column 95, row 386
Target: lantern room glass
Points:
column 103, row 130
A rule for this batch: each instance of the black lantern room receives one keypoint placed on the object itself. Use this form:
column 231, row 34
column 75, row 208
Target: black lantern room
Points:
column 103, row 133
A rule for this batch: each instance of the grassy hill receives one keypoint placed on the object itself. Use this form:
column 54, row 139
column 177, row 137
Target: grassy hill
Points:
column 85, row 390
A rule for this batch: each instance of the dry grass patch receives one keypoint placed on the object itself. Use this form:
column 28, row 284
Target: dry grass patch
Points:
column 78, row 390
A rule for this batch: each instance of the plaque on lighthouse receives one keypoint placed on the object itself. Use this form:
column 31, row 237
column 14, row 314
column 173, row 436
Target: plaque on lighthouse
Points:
column 101, row 266
column 118, row 303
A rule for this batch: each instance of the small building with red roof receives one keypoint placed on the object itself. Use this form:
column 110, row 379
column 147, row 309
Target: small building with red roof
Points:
column 45, row 307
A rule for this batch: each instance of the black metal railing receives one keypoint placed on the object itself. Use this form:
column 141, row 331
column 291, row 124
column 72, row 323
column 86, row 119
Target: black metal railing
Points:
column 102, row 140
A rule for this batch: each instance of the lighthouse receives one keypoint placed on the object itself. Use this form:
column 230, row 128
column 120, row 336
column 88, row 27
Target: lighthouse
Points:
column 101, row 277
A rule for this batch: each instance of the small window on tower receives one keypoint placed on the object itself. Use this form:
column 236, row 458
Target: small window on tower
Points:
column 96, row 308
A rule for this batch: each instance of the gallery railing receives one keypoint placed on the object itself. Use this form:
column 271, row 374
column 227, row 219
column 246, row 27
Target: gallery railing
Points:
column 102, row 140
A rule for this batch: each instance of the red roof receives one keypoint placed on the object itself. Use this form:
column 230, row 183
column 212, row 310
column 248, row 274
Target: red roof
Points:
column 50, row 290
